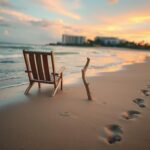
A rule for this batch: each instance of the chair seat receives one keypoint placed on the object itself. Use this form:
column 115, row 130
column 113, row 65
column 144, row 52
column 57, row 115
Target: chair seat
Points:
column 57, row 77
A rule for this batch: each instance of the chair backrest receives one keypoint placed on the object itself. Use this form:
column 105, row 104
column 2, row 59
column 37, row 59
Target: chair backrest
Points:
column 38, row 65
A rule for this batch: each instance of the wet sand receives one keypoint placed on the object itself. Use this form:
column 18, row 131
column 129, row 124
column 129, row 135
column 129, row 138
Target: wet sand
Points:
column 68, row 121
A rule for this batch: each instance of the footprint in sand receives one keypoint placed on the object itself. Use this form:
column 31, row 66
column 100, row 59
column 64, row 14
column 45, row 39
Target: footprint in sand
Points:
column 65, row 114
column 139, row 102
column 131, row 114
column 114, row 133
column 148, row 86
column 146, row 92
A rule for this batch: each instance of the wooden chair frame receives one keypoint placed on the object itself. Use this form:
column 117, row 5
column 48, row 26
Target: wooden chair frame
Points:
column 37, row 68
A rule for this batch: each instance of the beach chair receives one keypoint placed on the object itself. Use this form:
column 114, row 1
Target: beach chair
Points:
column 38, row 69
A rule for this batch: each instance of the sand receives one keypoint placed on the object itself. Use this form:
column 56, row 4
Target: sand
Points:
column 68, row 121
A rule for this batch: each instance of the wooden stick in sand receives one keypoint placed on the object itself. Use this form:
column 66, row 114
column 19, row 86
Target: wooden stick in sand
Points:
column 84, row 80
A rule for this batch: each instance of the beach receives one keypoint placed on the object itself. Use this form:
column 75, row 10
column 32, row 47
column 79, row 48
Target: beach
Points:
column 74, row 75
column 69, row 121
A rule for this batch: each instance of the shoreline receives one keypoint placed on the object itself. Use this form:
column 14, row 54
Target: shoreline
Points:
column 78, row 80
column 115, row 58
column 69, row 121
column 76, row 83
column 96, row 46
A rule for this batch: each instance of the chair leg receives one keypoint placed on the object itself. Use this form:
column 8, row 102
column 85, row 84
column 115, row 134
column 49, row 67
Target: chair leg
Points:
column 39, row 84
column 28, row 88
column 61, row 81
column 56, row 88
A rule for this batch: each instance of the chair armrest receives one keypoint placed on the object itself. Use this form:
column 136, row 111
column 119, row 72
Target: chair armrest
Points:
column 61, row 70
column 28, row 71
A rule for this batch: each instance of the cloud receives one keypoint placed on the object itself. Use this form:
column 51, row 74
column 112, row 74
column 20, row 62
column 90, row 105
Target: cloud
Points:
column 46, row 23
column 59, row 7
column 6, row 3
column 1, row 18
column 63, row 7
column 18, row 19
column 53, row 27
column 131, row 25
column 6, row 32
column 24, row 18
column 19, row 15
column 113, row 1
column 4, row 22
column 140, row 19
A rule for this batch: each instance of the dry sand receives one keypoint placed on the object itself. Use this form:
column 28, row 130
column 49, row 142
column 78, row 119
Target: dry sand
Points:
column 69, row 122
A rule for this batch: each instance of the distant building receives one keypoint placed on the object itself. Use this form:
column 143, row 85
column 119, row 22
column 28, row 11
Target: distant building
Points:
column 73, row 40
column 109, row 40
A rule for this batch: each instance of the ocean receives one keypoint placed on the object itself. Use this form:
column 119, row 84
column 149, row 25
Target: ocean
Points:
column 103, row 59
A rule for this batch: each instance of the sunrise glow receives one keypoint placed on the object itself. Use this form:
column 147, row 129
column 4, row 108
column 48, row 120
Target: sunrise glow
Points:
column 47, row 20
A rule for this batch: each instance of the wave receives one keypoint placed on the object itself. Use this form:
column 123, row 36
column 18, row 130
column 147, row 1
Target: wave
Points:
column 14, row 85
column 7, row 61
column 66, row 53
column 11, row 56
column 15, row 47
column 106, row 65
column 9, row 78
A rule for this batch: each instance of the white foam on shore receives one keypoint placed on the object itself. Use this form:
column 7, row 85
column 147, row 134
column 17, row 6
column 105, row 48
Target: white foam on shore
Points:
column 11, row 56
column 15, row 85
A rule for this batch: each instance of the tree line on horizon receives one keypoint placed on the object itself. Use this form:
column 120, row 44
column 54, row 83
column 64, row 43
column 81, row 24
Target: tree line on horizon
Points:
column 100, row 42
column 124, row 44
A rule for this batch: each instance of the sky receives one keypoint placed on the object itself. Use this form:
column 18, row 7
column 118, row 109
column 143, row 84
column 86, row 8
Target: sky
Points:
column 44, row 21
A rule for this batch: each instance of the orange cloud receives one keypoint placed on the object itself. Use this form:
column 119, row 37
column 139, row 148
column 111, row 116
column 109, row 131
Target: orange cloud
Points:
column 140, row 19
column 132, row 26
column 55, row 27
column 58, row 6
column 1, row 18
column 127, row 26
column 19, row 15
column 127, row 18
column 113, row 1
column 124, row 31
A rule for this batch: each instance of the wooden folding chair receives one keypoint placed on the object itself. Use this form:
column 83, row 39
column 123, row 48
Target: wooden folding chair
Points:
column 38, row 69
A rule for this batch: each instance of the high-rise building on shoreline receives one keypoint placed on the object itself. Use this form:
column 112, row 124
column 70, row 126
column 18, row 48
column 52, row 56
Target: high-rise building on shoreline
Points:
column 73, row 40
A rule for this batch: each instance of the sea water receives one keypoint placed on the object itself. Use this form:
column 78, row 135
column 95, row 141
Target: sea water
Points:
column 12, row 66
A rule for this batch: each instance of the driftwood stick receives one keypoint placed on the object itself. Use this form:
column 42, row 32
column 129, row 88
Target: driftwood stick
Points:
column 84, row 80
